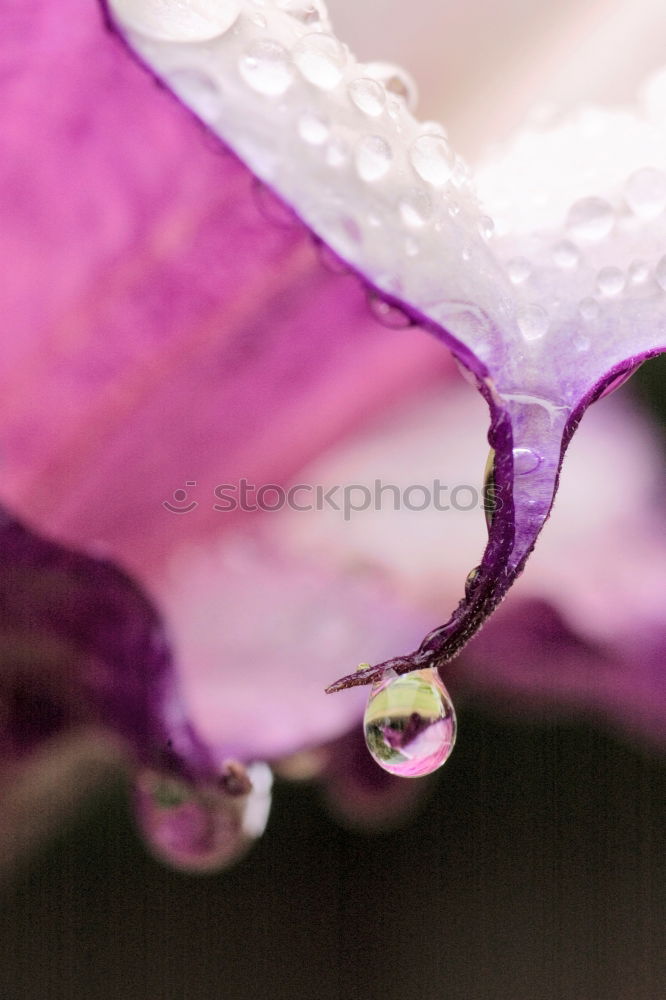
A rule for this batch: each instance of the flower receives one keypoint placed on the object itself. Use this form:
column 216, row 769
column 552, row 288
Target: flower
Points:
column 175, row 330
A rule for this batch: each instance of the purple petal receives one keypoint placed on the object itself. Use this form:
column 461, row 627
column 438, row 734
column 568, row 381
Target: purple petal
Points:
column 537, row 358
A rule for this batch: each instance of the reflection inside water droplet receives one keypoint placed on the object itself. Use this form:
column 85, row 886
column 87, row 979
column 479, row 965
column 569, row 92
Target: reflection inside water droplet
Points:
column 410, row 723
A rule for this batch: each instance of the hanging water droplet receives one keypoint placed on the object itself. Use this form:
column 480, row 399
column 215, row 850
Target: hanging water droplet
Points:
column 201, row 828
column 387, row 313
column 313, row 128
column 525, row 460
column 518, row 269
column 178, row 22
column 645, row 192
column 409, row 723
column 321, row 59
column 566, row 255
column 396, row 81
column 432, row 158
column 266, row 67
column 590, row 219
column 489, row 493
column 368, row 96
column 373, row 158
column 588, row 308
column 638, row 272
column 660, row 273
column 532, row 320
column 415, row 207
column 610, row 281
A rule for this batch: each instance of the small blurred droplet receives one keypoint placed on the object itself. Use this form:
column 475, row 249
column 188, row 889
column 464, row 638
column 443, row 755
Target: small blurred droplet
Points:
column 388, row 314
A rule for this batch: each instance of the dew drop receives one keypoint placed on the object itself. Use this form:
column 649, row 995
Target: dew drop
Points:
column 265, row 66
column 660, row 273
column 387, row 313
column 310, row 12
column 432, row 158
column 645, row 192
column 588, row 308
column 321, row 59
column 313, row 128
column 415, row 207
column 200, row 828
column 610, row 281
column 396, row 81
column 178, row 22
column 566, row 255
column 409, row 723
column 590, row 219
column 373, row 158
column 525, row 460
column 532, row 321
column 368, row 96
column 638, row 272
column 518, row 269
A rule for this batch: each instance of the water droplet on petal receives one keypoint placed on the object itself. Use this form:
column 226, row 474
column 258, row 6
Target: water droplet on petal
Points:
column 396, row 81
column 590, row 219
column 337, row 154
column 415, row 207
column 387, row 313
column 610, row 281
column 266, row 67
column 178, row 22
column 409, row 723
column 518, row 269
column 645, row 192
column 432, row 158
column 566, row 255
column 199, row 828
column 309, row 12
column 313, row 128
column 588, row 308
column 532, row 320
column 373, row 158
column 660, row 273
column 638, row 272
column 525, row 460
column 368, row 96
column 321, row 59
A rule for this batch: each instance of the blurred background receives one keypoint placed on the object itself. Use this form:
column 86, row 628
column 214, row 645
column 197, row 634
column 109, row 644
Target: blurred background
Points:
column 533, row 869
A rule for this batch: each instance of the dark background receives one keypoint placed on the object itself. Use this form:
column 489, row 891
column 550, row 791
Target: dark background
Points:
column 535, row 872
